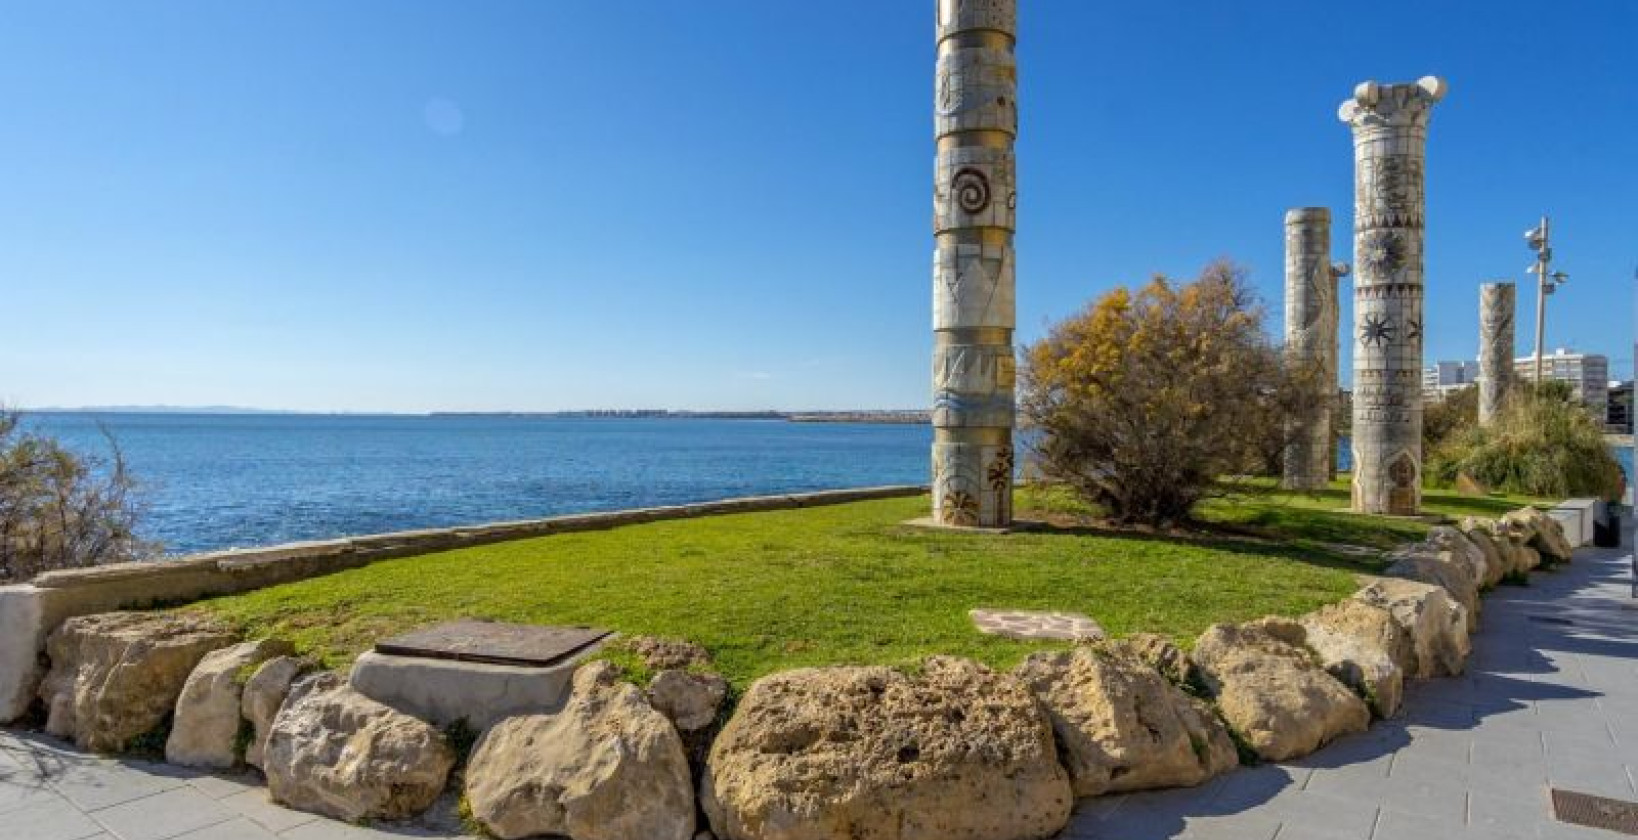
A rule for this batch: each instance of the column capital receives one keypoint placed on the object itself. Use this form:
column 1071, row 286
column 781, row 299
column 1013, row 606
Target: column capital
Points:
column 956, row 16
column 1307, row 215
column 1376, row 105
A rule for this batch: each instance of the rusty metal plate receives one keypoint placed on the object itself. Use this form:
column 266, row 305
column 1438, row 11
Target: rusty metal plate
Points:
column 493, row 642
column 1595, row 811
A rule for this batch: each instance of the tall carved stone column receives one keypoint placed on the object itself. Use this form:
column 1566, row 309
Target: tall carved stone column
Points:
column 1311, row 315
column 1389, row 123
column 1497, row 306
column 974, row 199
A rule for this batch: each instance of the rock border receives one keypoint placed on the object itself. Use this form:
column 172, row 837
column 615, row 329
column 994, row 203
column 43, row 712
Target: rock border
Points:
column 1281, row 688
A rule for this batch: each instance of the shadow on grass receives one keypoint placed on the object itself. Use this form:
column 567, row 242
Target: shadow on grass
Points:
column 1219, row 538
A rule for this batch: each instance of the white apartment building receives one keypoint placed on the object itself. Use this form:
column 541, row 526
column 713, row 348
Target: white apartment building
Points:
column 1587, row 373
column 1444, row 377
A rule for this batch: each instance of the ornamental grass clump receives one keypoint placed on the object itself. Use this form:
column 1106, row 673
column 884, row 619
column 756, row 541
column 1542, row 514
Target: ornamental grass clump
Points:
column 1141, row 402
column 1544, row 442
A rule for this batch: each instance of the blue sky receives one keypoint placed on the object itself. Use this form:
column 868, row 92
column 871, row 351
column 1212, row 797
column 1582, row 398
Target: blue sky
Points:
column 411, row 206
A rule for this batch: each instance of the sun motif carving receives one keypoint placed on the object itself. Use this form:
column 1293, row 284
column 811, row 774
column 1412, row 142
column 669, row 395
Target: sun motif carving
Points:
column 1382, row 252
column 1000, row 471
column 1413, row 329
column 1376, row 331
column 959, row 508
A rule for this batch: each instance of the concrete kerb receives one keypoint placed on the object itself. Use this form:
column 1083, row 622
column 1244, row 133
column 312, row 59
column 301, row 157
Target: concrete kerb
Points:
column 30, row 611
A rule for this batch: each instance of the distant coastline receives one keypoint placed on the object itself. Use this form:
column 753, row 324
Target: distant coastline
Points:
column 897, row 417
column 891, row 416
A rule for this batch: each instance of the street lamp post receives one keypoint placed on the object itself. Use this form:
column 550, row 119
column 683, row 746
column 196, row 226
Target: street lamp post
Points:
column 1539, row 239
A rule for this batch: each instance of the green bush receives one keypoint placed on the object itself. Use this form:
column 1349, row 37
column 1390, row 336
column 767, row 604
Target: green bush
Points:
column 1543, row 443
column 1457, row 411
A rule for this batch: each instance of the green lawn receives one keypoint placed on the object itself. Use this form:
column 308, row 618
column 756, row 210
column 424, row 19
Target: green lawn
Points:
column 850, row 583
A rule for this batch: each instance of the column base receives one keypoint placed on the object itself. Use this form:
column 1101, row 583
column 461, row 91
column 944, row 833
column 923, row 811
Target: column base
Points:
column 928, row 523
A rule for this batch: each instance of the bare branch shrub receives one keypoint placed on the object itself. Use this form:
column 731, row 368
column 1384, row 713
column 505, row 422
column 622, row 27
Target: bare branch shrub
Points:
column 61, row 510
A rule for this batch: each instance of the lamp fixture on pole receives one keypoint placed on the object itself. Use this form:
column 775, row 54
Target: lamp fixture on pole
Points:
column 1539, row 239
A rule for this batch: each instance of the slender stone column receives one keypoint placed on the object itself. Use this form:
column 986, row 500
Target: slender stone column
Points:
column 1311, row 316
column 1497, row 305
column 974, row 198
column 1389, row 123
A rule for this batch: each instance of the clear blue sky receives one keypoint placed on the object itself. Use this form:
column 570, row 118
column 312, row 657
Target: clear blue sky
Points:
column 412, row 206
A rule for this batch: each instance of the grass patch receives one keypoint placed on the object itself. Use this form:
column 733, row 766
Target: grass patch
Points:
column 850, row 583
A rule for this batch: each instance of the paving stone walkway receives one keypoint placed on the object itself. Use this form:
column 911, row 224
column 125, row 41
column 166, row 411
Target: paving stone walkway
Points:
column 51, row 791
column 1550, row 700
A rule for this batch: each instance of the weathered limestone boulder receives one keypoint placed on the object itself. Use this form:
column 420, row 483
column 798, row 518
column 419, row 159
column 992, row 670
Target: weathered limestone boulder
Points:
column 1123, row 726
column 1361, row 645
column 1512, row 539
column 1435, row 623
column 955, row 752
column 1270, row 690
column 1527, row 558
column 1461, row 547
column 1163, row 655
column 607, row 767
column 1426, row 563
column 335, row 752
column 264, row 693
column 207, row 721
column 689, row 700
column 115, row 676
column 1545, row 534
column 1496, row 563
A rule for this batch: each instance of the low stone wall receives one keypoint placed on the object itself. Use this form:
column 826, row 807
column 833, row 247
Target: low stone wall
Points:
column 30, row 611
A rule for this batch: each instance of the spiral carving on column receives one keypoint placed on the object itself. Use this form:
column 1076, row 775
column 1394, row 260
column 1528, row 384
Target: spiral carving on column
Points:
column 975, row 121
column 972, row 190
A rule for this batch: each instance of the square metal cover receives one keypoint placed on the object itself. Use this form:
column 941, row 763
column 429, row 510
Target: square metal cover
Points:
column 493, row 642
column 1595, row 811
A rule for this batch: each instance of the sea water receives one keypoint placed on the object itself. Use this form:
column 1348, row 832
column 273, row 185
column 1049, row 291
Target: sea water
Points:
column 217, row 481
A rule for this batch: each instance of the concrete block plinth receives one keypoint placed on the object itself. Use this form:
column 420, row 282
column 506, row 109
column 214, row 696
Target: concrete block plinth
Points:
column 443, row 691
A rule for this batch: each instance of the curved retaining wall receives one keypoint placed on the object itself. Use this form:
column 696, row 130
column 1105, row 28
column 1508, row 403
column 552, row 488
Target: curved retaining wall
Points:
column 30, row 611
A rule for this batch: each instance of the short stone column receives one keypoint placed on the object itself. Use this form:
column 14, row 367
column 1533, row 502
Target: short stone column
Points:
column 1497, row 306
column 1311, row 314
column 974, row 199
column 1389, row 124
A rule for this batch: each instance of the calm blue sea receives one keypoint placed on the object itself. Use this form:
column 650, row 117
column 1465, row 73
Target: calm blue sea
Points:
column 216, row 481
